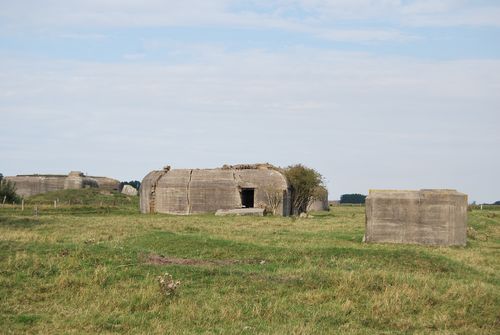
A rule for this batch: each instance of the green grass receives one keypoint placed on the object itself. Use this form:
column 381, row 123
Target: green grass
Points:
column 88, row 196
column 83, row 269
column 83, row 201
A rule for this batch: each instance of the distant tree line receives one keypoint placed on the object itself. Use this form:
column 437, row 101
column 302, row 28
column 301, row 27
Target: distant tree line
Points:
column 8, row 191
column 134, row 183
column 353, row 198
column 496, row 203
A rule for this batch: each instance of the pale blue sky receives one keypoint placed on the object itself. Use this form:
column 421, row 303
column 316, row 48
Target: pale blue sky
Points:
column 373, row 94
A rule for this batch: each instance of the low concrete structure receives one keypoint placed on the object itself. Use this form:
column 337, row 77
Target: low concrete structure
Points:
column 433, row 217
column 241, row 212
column 188, row 191
column 321, row 202
column 129, row 190
column 318, row 205
column 333, row 203
column 28, row 185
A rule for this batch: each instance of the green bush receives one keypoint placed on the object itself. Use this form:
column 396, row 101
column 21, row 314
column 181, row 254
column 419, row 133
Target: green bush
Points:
column 304, row 183
column 8, row 191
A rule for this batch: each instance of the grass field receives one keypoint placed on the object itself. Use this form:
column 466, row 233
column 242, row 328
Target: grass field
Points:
column 92, row 267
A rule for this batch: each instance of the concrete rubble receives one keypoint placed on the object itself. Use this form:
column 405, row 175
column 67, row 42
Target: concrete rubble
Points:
column 129, row 190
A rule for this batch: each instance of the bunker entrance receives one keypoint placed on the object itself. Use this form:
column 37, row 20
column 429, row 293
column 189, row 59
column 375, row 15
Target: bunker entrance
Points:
column 247, row 197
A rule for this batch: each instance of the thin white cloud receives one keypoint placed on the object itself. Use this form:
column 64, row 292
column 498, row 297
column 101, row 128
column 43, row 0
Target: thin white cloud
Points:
column 134, row 56
column 365, row 35
column 317, row 17
column 342, row 113
column 82, row 36
column 430, row 7
column 479, row 17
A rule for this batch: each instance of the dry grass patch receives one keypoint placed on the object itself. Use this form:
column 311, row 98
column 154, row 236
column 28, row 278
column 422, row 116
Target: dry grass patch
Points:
column 87, row 272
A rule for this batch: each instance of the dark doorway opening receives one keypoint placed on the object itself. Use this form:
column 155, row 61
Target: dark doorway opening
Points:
column 247, row 197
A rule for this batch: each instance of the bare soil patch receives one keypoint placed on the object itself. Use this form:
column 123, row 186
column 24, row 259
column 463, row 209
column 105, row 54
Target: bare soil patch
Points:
column 155, row 259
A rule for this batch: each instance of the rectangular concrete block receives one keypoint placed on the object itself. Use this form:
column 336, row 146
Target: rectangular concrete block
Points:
column 432, row 217
column 241, row 212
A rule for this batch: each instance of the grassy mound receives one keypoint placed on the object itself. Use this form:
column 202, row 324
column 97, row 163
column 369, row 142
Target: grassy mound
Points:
column 87, row 196
column 83, row 201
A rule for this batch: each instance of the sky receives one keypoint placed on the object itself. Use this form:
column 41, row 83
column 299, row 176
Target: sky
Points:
column 388, row 94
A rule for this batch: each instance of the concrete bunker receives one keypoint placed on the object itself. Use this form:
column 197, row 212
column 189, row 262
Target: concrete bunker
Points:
column 432, row 217
column 189, row 191
column 28, row 185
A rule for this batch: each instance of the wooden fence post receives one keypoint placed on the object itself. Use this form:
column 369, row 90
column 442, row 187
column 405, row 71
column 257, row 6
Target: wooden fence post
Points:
column 22, row 205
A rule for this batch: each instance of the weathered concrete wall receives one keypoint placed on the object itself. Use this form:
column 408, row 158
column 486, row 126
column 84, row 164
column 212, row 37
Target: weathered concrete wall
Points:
column 171, row 194
column 434, row 217
column 28, row 185
column 76, row 180
column 31, row 185
column 319, row 205
column 186, row 191
column 210, row 190
column 147, row 191
column 265, row 182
